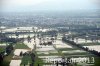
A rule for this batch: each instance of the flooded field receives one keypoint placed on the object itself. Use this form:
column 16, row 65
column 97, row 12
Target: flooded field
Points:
column 48, row 50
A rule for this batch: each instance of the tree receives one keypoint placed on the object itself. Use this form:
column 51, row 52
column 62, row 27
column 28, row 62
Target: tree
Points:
column 34, row 37
column 29, row 39
column 1, row 58
column 52, row 39
column 57, row 63
column 21, row 53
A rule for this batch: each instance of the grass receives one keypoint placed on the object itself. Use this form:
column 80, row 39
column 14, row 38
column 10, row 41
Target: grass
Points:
column 26, row 60
column 2, row 49
column 97, row 61
column 21, row 46
column 67, row 49
column 38, row 61
column 84, row 53
column 2, row 42
column 89, row 44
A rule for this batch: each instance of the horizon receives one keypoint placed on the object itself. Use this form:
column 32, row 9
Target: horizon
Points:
column 48, row 5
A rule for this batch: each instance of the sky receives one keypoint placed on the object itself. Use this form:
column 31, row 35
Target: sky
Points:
column 47, row 5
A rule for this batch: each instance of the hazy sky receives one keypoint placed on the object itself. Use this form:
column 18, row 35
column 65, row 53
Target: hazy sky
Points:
column 50, row 5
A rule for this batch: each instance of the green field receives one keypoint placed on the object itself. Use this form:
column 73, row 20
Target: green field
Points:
column 2, row 49
column 89, row 44
column 21, row 46
column 26, row 60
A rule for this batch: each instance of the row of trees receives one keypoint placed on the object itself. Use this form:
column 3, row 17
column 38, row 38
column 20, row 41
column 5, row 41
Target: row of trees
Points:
column 92, row 38
column 78, row 45
column 46, row 43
